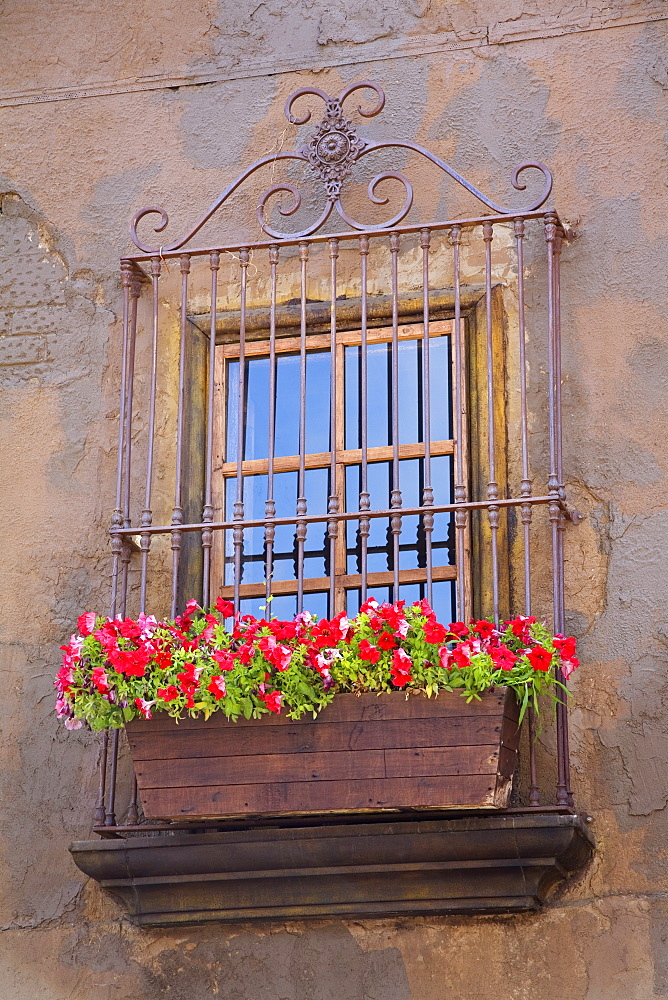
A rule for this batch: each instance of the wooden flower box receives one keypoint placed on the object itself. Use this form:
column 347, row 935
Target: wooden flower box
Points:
column 366, row 753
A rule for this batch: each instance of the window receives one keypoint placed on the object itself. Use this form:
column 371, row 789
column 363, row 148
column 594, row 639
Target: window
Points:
column 359, row 562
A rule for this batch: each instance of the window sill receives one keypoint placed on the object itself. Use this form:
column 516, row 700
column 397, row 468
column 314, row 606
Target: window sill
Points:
column 368, row 866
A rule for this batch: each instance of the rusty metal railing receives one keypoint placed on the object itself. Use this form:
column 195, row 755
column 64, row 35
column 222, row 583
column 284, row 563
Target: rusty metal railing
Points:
column 464, row 279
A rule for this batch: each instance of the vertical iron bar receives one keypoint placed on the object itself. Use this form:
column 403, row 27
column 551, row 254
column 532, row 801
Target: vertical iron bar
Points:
column 300, row 528
column 333, row 499
column 117, row 517
column 146, row 514
column 365, row 499
column 117, row 548
column 561, row 524
column 177, row 512
column 461, row 516
column 270, row 505
column 207, row 511
column 110, row 816
column 238, row 532
column 395, row 496
column 492, row 485
column 554, row 509
column 427, row 490
column 534, row 794
column 98, row 815
column 525, row 488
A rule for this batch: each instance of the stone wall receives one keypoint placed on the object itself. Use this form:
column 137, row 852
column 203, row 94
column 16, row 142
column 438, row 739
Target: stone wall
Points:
column 143, row 104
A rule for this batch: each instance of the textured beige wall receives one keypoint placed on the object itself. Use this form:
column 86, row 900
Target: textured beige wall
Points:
column 486, row 85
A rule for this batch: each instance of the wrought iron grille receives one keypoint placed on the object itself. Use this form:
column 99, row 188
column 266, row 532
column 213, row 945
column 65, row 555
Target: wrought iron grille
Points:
column 428, row 331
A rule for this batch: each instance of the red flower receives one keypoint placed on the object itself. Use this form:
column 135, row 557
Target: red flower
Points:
column 484, row 628
column 386, row 640
column 245, row 652
column 539, row 658
column 131, row 662
column 224, row 608
column 163, row 658
column 455, row 658
column 434, row 632
column 129, row 629
column 401, row 668
column 224, row 659
column 169, row 693
column 86, row 623
column 459, row 629
column 503, row 657
column 565, row 647
column 368, row 652
column 369, row 606
column 273, row 701
column 520, row 627
column 217, row 687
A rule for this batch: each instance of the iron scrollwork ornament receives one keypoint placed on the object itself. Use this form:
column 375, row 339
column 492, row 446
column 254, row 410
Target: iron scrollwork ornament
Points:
column 332, row 151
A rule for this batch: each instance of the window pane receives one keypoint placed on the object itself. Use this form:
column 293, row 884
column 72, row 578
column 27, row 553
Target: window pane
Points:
column 412, row 540
column 316, row 552
column 411, row 400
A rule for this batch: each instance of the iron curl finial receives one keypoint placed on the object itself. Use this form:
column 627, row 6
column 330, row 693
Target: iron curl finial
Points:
column 547, row 188
column 300, row 93
column 136, row 219
column 373, row 197
column 286, row 210
column 365, row 85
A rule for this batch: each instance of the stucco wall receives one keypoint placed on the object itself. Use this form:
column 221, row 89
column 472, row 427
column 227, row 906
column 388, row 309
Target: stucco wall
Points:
column 486, row 85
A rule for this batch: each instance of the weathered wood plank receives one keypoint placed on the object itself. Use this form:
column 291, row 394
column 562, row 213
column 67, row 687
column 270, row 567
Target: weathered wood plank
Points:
column 435, row 761
column 354, row 708
column 258, row 768
column 313, row 737
column 321, row 796
column 343, row 765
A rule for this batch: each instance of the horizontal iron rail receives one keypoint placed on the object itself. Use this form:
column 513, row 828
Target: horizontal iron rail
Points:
column 165, row 529
column 465, row 223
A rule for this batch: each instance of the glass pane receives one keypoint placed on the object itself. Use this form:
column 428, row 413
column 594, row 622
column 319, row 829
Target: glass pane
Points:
column 256, row 435
column 316, row 552
column 412, row 540
column 410, row 386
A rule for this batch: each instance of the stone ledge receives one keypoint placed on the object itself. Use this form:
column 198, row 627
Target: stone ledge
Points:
column 479, row 864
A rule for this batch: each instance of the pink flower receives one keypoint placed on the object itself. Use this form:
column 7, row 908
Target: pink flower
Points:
column 73, row 723
column 217, row 686
column 401, row 668
column 63, row 709
column 86, row 623
column 280, row 657
column 224, row 659
column 144, row 707
column 273, row 701
column 100, row 680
